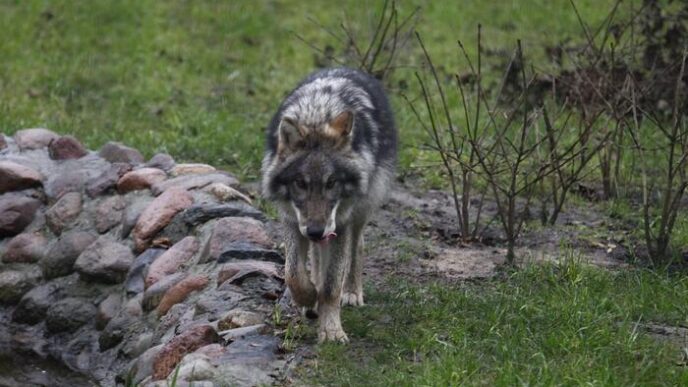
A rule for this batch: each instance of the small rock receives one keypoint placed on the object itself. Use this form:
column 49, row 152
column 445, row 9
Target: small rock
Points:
column 69, row 314
column 237, row 272
column 173, row 352
column 109, row 213
column 213, row 303
column 237, row 333
column 14, row 283
column 158, row 214
column 237, row 368
column 189, row 182
column 161, row 161
column 65, row 148
column 135, row 281
column 202, row 213
column 171, row 260
column 133, row 212
column 15, row 177
column 3, row 142
column 34, row 138
column 154, row 294
column 189, row 169
column 107, row 310
column 115, row 152
column 63, row 212
column 16, row 212
column 60, row 258
column 106, row 180
column 70, row 175
column 180, row 291
column 133, row 307
column 194, row 367
column 143, row 366
column 238, row 318
column 137, row 345
column 167, row 324
column 58, row 184
column 79, row 353
column 25, row 248
column 34, row 304
column 247, row 250
column 211, row 350
column 139, row 179
column 104, row 260
column 226, row 193
column 189, row 320
column 236, row 229
column 119, row 327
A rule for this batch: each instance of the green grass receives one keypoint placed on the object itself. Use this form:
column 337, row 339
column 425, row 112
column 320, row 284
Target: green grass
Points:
column 200, row 80
column 557, row 324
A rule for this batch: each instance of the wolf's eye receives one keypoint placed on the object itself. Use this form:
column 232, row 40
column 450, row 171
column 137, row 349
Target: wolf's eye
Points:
column 300, row 184
column 330, row 183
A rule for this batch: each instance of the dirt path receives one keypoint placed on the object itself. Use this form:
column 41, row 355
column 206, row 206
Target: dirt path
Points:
column 415, row 236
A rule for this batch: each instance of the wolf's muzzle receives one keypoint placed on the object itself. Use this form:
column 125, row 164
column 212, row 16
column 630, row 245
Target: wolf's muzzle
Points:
column 315, row 233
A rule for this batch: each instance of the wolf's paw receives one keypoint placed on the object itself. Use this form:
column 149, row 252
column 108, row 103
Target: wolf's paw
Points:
column 352, row 298
column 335, row 334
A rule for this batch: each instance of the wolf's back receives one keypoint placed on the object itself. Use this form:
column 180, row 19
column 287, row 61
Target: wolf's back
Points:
column 325, row 93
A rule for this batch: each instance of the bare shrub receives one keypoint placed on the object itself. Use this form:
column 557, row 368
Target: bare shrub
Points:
column 458, row 160
column 628, row 71
column 498, row 146
column 584, row 138
column 639, row 50
column 662, row 149
column 505, row 149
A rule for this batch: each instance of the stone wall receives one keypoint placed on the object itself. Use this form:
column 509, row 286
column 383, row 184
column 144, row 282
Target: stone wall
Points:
column 123, row 269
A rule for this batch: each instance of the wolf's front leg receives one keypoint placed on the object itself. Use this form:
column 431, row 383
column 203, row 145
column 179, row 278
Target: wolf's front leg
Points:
column 296, row 276
column 353, row 285
column 333, row 268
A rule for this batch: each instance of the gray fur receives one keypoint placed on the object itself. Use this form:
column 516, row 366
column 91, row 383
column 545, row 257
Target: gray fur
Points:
column 326, row 174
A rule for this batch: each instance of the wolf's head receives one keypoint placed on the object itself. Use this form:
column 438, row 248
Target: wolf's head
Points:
column 315, row 174
column 296, row 135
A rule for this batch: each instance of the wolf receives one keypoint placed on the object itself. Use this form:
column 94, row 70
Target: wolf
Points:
column 329, row 162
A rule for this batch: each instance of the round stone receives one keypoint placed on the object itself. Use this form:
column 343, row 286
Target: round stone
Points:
column 66, row 148
column 69, row 314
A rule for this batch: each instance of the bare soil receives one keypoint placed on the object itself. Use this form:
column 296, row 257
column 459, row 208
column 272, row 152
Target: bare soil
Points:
column 415, row 235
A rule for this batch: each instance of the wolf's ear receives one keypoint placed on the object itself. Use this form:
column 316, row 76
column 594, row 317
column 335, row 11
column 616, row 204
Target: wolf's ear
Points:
column 342, row 124
column 289, row 134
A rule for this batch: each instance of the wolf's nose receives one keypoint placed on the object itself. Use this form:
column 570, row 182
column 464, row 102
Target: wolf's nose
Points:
column 315, row 233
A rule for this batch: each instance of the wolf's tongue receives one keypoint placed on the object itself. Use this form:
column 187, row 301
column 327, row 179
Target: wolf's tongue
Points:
column 327, row 238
